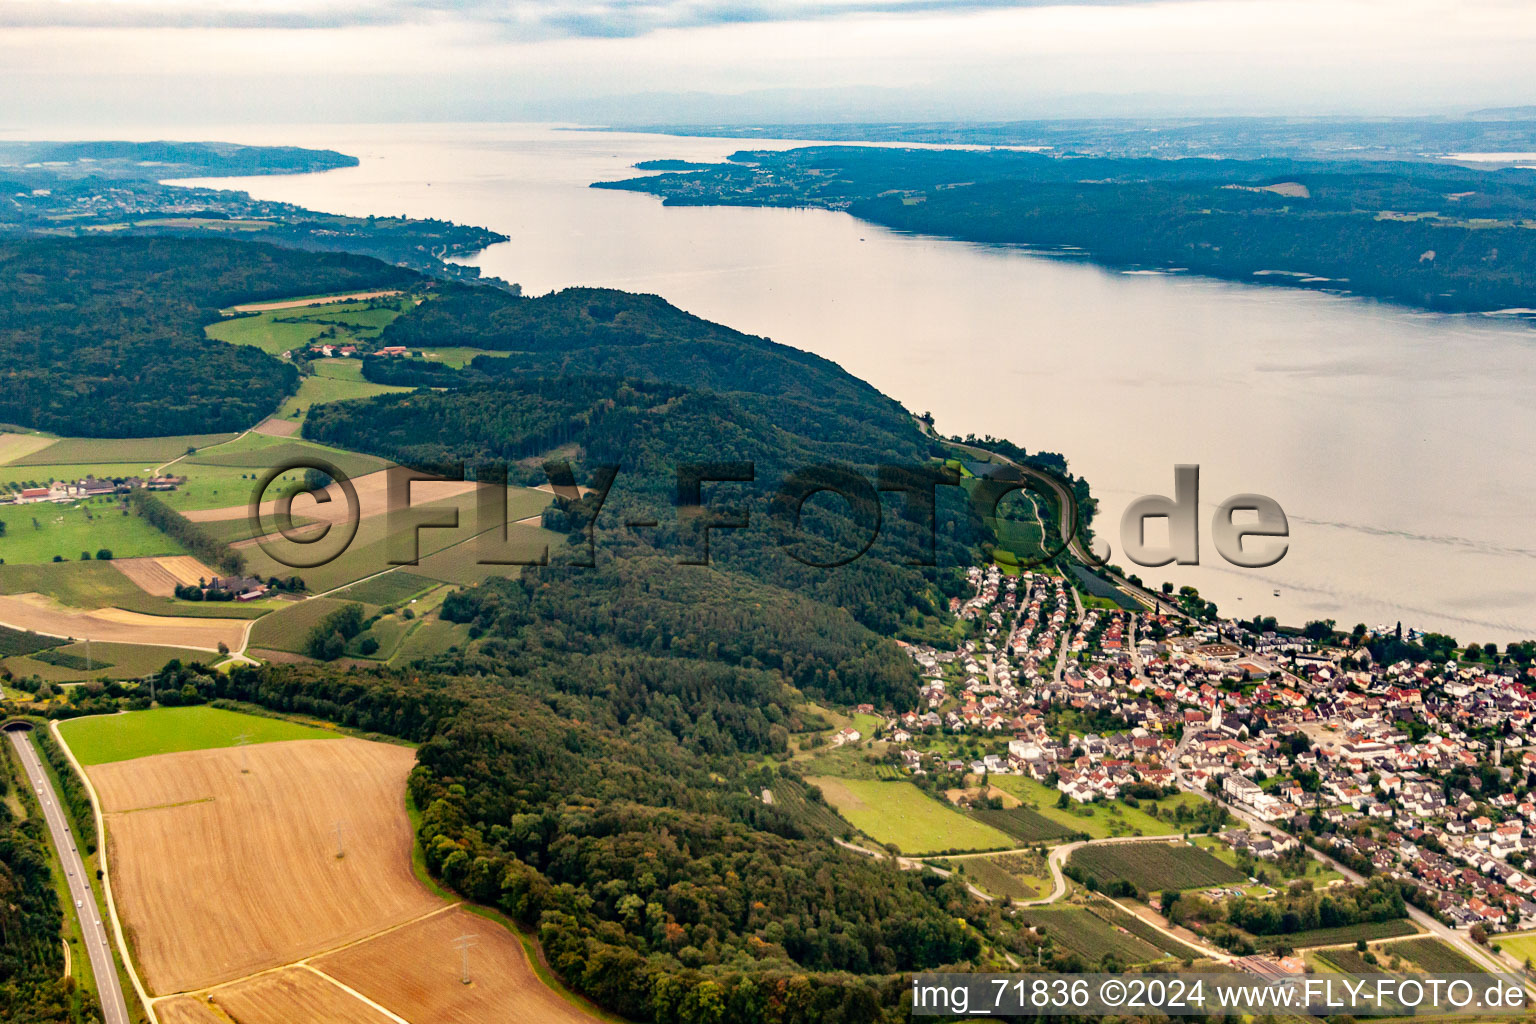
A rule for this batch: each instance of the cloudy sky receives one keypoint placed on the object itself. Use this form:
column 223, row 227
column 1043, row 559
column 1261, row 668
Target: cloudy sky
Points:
column 95, row 62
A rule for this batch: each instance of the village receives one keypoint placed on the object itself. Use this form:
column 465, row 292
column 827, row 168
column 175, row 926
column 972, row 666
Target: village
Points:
column 1414, row 771
column 63, row 491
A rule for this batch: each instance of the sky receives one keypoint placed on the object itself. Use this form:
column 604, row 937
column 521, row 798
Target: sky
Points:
column 95, row 63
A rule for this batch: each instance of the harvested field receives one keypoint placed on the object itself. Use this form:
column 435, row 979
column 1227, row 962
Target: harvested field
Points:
column 221, row 873
column 45, row 615
column 295, row 994
column 414, row 972
column 19, row 446
column 92, row 450
column 187, row 1010
column 319, row 300
column 274, row 427
column 160, row 576
column 372, row 498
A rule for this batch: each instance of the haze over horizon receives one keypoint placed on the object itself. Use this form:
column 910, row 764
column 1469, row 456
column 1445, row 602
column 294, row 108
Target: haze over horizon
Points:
column 171, row 62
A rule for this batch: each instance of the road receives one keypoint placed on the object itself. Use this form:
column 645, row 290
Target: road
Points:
column 113, row 1007
column 1458, row 940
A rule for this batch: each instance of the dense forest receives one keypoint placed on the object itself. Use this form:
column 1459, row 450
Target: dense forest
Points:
column 693, row 394
column 104, row 337
column 1438, row 236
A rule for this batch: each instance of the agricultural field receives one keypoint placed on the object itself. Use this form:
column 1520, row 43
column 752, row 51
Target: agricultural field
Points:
column 1346, row 960
column 449, row 555
column 42, row 614
column 1120, row 917
column 433, row 636
column 101, row 739
column 92, row 585
column 1103, row 820
column 276, row 331
column 287, row 629
column 334, row 380
column 1434, row 956
column 1369, row 931
column 225, row 861
column 390, row 589
column 159, row 577
column 415, row 972
column 279, row 997
column 1023, row 824
column 74, row 663
column 42, row 532
column 14, row 642
column 1153, row 866
column 1521, row 946
column 1012, row 875
column 141, row 451
column 902, row 814
column 15, row 445
column 1087, row 935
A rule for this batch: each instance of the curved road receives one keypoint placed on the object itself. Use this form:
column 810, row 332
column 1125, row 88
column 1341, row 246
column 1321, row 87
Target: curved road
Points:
column 108, row 987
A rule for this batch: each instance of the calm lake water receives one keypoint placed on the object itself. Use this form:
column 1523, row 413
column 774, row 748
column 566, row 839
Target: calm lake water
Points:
column 1400, row 443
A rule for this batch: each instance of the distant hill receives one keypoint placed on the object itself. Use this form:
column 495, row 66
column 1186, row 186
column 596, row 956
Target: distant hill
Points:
column 158, row 160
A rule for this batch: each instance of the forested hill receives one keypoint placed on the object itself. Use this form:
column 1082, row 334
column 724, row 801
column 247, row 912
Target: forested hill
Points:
column 1437, row 236
column 691, row 393
column 592, row 762
column 104, row 337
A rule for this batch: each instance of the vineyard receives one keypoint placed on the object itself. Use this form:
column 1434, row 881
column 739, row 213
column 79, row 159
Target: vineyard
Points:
column 1153, row 867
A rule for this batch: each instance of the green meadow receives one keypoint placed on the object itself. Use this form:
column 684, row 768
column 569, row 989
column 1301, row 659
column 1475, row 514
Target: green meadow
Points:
column 104, row 738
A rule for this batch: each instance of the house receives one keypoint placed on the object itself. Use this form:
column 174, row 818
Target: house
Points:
column 245, row 588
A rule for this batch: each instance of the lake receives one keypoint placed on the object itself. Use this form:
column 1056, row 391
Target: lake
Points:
column 1399, row 443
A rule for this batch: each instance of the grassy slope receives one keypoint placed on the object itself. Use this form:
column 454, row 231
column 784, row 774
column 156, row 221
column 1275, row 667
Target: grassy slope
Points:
column 149, row 450
column 104, row 738
column 121, row 661
column 1097, row 820
column 900, row 813
column 36, row 533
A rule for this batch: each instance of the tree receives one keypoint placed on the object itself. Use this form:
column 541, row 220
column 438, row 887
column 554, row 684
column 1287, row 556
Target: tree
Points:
column 104, row 555
column 1479, row 934
column 1318, row 629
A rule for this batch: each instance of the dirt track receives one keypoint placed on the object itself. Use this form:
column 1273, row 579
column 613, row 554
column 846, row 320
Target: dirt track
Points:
column 42, row 614
column 220, row 873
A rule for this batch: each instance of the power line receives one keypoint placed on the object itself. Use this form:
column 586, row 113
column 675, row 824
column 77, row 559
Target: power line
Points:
column 463, row 944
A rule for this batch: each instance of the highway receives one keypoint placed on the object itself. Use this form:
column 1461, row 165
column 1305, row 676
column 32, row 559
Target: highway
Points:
column 113, row 1007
